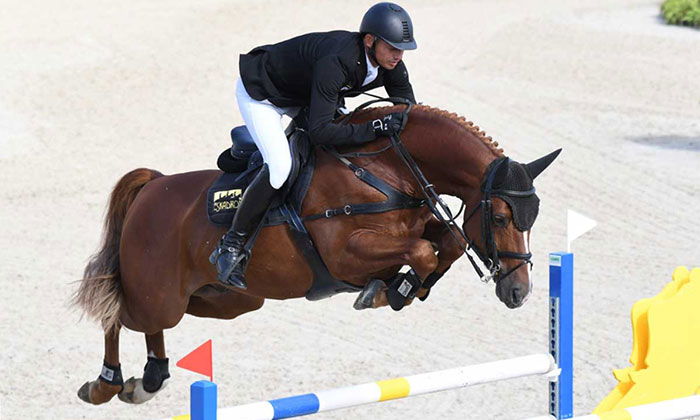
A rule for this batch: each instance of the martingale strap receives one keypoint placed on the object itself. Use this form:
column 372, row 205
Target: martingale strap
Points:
column 395, row 199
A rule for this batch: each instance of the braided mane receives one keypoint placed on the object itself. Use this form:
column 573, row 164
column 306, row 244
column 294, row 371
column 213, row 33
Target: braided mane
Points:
column 440, row 113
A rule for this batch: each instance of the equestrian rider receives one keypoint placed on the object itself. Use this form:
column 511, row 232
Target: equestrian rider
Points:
column 315, row 70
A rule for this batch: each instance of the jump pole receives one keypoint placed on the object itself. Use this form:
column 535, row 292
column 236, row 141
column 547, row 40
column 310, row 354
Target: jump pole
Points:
column 333, row 399
column 203, row 402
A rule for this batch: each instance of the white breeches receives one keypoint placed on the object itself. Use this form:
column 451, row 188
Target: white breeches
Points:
column 264, row 121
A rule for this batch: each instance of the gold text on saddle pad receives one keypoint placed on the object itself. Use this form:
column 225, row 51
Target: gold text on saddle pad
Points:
column 226, row 200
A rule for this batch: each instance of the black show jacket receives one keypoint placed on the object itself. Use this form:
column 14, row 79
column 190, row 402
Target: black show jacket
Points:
column 318, row 70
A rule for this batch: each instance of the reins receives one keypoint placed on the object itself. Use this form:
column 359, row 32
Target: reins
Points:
column 434, row 201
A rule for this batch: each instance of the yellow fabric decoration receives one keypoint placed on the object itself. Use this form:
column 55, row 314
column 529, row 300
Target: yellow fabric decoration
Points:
column 666, row 350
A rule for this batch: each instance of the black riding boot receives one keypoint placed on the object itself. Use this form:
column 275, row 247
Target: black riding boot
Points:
column 229, row 257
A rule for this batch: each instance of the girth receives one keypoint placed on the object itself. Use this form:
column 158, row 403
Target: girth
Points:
column 324, row 284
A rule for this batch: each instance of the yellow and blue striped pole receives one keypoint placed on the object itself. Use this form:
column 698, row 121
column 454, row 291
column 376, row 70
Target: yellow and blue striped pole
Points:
column 203, row 404
column 299, row 405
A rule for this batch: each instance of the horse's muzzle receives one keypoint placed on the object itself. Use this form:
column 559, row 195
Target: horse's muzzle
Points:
column 512, row 291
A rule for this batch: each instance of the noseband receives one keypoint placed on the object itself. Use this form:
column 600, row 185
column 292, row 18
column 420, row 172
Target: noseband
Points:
column 490, row 256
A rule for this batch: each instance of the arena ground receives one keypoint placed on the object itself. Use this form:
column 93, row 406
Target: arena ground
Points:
column 91, row 89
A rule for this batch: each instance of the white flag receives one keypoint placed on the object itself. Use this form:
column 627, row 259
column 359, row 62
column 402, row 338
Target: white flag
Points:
column 576, row 225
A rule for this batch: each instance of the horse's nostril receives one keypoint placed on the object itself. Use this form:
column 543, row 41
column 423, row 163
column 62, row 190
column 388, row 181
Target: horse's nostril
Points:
column 515, row 295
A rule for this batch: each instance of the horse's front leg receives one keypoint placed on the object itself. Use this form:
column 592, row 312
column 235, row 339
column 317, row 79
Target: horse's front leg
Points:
column 378, row 253
column 449, row 250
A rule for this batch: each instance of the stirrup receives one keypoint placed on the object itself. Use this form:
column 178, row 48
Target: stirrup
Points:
column 234, row 275
column 236, row 280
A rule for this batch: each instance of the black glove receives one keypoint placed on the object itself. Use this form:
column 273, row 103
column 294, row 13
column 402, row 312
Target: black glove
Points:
column 390, row 124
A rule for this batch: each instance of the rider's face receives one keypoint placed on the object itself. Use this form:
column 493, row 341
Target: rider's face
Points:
column 387, row 56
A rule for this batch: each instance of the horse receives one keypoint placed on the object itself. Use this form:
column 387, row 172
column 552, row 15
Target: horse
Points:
column 152, row 266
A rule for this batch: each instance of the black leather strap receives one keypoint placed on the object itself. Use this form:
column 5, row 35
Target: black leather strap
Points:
column 432, row 279
column 395, row 199
column 430, row 282
column 324, row 284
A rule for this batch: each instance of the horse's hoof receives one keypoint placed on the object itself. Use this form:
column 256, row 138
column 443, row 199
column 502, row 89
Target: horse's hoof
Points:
column 84, row 392
column 133, row 392
column 97, row 392
column 366, row 297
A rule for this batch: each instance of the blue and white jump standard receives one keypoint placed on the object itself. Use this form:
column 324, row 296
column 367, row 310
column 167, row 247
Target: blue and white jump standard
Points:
column 561, row 332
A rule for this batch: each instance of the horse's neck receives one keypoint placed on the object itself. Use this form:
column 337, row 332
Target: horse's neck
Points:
column 451, row 157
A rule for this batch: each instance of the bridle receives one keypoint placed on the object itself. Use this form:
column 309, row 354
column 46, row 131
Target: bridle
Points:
column 490, row 256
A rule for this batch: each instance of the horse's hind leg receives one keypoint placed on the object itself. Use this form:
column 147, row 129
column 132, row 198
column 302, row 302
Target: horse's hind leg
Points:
column 155, row 373
column 110, row 381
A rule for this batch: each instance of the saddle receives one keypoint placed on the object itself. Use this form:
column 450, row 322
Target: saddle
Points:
column 240, row 164
column 243, row 161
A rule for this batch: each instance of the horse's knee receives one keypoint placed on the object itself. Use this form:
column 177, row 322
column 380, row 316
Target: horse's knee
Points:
column 422, row 258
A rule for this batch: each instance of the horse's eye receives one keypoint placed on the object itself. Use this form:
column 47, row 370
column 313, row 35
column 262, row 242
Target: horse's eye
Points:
column 500, row 220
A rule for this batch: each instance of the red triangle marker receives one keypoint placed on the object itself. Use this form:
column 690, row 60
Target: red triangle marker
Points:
column 199, row 360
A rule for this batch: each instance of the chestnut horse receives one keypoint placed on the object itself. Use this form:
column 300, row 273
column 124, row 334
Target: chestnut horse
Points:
column 153, row 267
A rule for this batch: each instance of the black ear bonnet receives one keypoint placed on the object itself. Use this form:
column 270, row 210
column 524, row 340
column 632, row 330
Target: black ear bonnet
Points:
column 513, row 184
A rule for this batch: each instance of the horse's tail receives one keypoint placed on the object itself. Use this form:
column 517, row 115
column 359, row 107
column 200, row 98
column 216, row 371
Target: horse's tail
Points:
column 100, row 293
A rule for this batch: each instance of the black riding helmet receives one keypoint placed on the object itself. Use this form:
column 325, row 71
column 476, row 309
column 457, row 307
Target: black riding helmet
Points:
column 390, row 22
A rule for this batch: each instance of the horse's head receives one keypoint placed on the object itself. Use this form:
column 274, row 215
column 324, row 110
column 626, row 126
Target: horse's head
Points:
column 500, row 224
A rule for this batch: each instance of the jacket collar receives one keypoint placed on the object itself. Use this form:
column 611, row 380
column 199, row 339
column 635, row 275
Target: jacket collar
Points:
column 358, row 76
column 361, row 66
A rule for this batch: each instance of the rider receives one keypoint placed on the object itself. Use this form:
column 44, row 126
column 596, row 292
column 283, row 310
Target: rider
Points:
column 315, row 70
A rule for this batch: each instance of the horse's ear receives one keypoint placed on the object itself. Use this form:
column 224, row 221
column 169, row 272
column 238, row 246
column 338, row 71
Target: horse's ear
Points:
column 536, row 167
column 501, row 174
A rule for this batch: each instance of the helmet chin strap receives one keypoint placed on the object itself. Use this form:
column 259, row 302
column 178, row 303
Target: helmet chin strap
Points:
column 370, row 52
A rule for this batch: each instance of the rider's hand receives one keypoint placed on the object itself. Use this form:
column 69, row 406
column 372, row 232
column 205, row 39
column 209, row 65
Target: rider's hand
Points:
column 390, row 124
